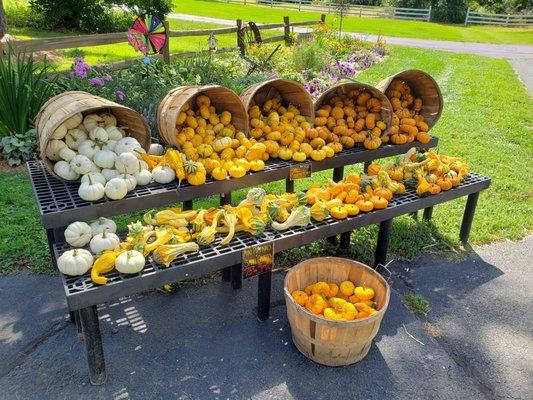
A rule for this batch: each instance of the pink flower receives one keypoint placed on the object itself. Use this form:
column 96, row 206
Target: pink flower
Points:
column 96, row 81
column 120, row 95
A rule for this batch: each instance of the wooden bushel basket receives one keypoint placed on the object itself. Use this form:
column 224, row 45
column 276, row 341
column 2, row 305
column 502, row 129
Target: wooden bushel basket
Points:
column 289, row 91
column 342, row 90
column 422, row 86
column 63, row 106
column 328, row 342
column 223, row 99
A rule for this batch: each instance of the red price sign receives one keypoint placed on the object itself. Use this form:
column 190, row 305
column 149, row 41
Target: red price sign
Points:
column 257, row 260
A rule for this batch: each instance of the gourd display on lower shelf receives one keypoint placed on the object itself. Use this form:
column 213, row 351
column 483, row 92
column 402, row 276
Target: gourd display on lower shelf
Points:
column 342, row 302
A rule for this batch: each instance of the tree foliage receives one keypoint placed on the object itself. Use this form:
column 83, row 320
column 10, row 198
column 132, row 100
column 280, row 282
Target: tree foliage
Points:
column 3, row 20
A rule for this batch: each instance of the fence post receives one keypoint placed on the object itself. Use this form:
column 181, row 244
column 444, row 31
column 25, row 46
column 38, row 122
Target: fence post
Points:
column 271, row 3
column 287, row 30
column 360, row 11
column 429, row 13
column 300, row 5
column 323, row 18
column 507, row 20
column 467, row 15
column 240, row 39
column 166, row 47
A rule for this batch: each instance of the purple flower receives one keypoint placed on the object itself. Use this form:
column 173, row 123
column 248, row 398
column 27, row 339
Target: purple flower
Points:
column 120, row 95
column 81, row 68
column 107, row 78
column 96, row 81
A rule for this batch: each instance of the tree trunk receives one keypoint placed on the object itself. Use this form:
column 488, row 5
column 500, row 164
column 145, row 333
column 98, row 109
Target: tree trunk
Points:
column 3, row 20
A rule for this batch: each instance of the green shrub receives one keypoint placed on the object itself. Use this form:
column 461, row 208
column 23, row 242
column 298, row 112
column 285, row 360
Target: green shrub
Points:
column 19, row 15
column 19, row 147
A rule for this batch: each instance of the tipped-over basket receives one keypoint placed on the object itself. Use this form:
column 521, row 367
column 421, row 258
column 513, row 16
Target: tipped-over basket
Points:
column 343, row 89
column 422, row 86
column 65, row 105
column 222, row 98
column 329, row 342
column 289, row 91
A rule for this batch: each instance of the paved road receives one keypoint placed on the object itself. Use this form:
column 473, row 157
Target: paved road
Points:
column 205, row 343
column 519, row 56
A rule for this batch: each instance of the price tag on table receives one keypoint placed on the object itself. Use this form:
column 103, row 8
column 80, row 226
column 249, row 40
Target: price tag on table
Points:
column 300, row 171
column 257, row 260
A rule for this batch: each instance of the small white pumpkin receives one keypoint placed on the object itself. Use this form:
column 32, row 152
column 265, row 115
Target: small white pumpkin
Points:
column 94, row 177
column 109, row 173
column 88, row 148
column 75, row 137
column 110, row 145
column 52, row 149
column 156, row 149
column 143, row 165
column 64, row 171
column 116, row 188
column 98, row 134
column 103, row 241
column 75, row 262
column 163, row 174
column 60, row 132
column 95, row 168
column 91, row 191
column 91, row 120
column 103, row 224
column 109, row 119
column 130, row 262
column 73, row 121
column 78, row 234
column 113, row 133
column 143, row 177
column 127, row 163
column 104, row 158
column 130, row 180
column 67, row 154
column 127, row 144
column 81, row 164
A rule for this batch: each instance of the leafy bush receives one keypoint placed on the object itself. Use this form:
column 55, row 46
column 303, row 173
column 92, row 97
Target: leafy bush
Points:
column 24, row 90
column 19, row 147
column 19, row 15
column 449, row 10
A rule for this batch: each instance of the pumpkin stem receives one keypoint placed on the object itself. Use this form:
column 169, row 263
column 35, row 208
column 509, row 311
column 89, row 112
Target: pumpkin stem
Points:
column 90, row 180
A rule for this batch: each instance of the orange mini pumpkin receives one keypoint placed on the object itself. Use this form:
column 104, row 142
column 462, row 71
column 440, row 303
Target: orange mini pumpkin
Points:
column 379, row 202
column 316, row 304
column 300, row 297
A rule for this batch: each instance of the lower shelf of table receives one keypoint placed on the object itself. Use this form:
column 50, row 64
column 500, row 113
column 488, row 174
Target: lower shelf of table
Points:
column 82, row 292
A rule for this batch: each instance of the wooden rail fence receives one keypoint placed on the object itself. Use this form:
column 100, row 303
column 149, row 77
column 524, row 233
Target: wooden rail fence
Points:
column 69, row 42
column 498, row 19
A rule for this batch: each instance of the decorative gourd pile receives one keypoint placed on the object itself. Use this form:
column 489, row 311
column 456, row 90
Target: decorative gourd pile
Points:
column 211, row 143
column 286, row 134
column 408, row 124
column 353, row 119
column 94, row 148
column 427, row 172
column 340, row 302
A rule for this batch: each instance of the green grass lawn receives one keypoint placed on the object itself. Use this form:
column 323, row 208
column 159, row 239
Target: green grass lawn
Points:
column 386, row 27
column 486, row 120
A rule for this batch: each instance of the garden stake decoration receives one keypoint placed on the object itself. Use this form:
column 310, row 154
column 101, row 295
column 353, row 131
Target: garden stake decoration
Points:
column 147, row 35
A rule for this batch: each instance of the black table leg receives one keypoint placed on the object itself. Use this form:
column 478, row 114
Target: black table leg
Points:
column 414, row 215
column 345, row 240
column 187, row 205
column 225, row 198
column 365, row 166
column 263, row 295
column 338, row 175
column 289, row 185
column 93, row 343
column 428, row 213
column 382, row 245
column 468, row 216
column 72, row 316
column 236, row 276
column 54, row 235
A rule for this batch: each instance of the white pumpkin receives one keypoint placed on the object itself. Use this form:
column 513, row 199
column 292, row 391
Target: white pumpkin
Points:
column 98, row 134
column 75, row 137
column 156, row 149
column 91, row 120
column 110, row 174
column 104, row 158
column 143, row 177
column 163, row 174
column 67, row 154
column 130, row 262
column 130, row 181
column 91, row 191
column 113, row 133
column 75, row 262
column 88, row 148
column 109, row 119
column 94, row 177
column 73, row 121
column 110, row 145
column 78, row 234
column 103, row 241
column 81, row 164
column 103, row 224
column 95, row 168
column 116, row 188
column 143, row 165
column 127, row 144
column 65, row 171
column 52, row 149
column 60, row 132
column 127, row 163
